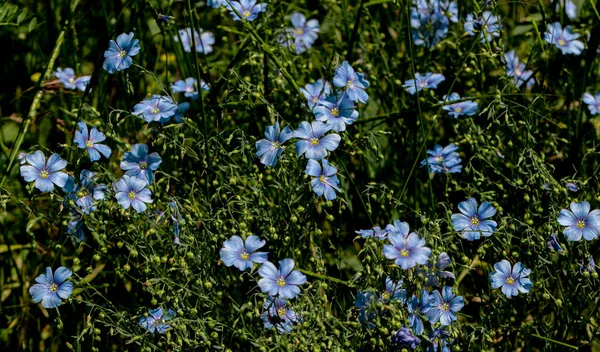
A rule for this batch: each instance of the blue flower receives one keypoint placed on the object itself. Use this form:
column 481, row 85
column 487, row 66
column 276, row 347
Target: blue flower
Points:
column 157, row 320
column 487, row 26
column 138, row 163
column 354, row 83
column 377, row 232
column 270, row 149
column 570, row 8
column 66, row 76
column 593, row 102
column 249, row 9
column 316, row 91
column 283, row 282
column 86, row 192
column 394, row 291
column 511, row 281
column 437, row 270
column 304, row 33
column 337, row 111
column 571, row 187
column 565, row 39
column 203, row 42
column 45, row 174
column 406, row 251
column 278, row 314
column 415, row 307
column 516, row 70
column 243, row 255
column 403, row 338
column 429, row 81
column 365, row 302
column 443, row 160
column 181, row 109
column 429, row 22
column 455, row 110
column 313, row 142
column 90, row 141
column 188, row 87
column 132, row 191
column 443, row 307
column 52, row 289
column 325, row 181
column 155, row 108
column 119, row 53
column 471, row 223
column 580, row 222
column 553, row 244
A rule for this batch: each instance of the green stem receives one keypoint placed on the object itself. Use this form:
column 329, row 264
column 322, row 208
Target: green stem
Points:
column 555, row 342
column 199, row 79
column 328, row 278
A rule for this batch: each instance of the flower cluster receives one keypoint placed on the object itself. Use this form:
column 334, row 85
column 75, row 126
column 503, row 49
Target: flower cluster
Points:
column 279, row 284
column 430, row 19
column 333, row 111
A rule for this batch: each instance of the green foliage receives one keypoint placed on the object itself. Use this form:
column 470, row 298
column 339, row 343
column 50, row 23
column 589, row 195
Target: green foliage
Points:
column 518, row 153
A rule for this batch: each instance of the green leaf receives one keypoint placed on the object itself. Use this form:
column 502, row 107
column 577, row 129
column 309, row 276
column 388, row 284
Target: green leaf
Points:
column 32, row 25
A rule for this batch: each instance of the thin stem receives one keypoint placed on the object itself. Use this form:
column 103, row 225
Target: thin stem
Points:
column 328, row 278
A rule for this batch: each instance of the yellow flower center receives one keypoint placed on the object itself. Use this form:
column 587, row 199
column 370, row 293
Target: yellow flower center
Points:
column 439, row 159
column 445, row 306
column 143, row 165
column 350, row 84
column 53, row 287
column 510, row 280
column 244, row 255
column 122, row 54
column 322, row 179
column 581, row 224
column 247, row 14
column 189, row 89
column 281, row 281
column 281, row 311
column 457, row 109
column 131, row 195
column 385, row 296
column 299, row 31
column 155, row 110
column 82, row 193
column 314, row 141
column 276, row 145
column 474, row 221
column 561, row 42
column 335, row 112
column 315, row 99
column 44, row 174
column 404, row 253
column 89, row 144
